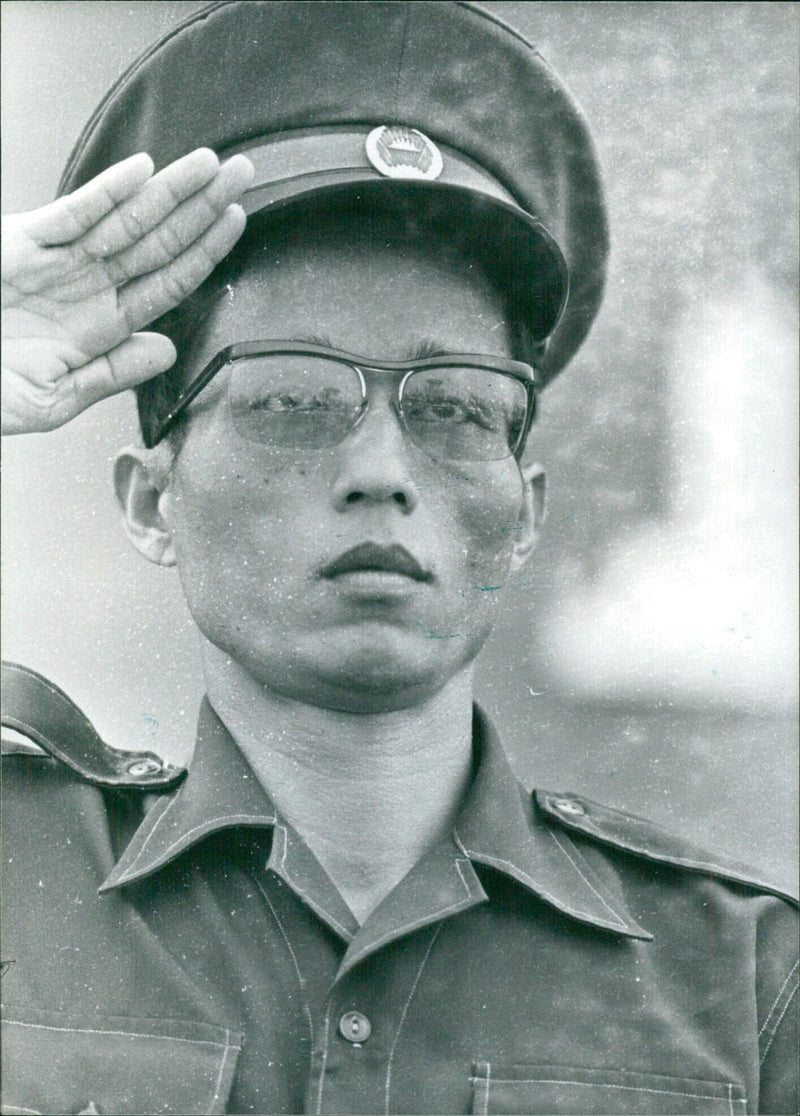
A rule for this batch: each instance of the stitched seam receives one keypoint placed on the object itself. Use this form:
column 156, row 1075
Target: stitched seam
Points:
column 218, row 1082
column 667, row 858
column 322, row 912
column 64, row 700
column 23, row 725
column 486, row 1085
column 604, row 1085
column 206, row 826
column 576, row 866
column 465, row 882
column 406, row 928
column 50, row 749
column 324, row 1060
column 306, row 1007
column 492, row 18
column 730, row 1099
column 388, row 1086
column 459, row 842
column 498, row 861
column 146, row 841
column 346, row 934
column 402, row 55
column 284, row 832
column 125, row 1034
column 789, row 999
column 777, row 999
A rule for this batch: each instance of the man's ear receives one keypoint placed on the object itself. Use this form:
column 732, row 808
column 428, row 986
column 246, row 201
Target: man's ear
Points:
column 531, row 515
column 141, row 482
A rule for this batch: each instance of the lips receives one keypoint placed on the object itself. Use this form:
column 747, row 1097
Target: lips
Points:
column 370, row 557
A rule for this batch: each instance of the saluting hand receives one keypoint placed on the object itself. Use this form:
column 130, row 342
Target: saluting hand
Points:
column 82, row 276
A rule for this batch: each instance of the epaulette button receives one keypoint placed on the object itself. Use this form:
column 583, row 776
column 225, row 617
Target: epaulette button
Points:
column 143, row 767
column 567, row 806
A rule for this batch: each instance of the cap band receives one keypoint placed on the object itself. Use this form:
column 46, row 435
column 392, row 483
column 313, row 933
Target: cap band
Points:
column 337, row 154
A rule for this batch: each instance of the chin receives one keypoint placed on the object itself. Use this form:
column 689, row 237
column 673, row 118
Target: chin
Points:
column 372, row 678
column 379, row 669
column 386, row 694
column 368, row 667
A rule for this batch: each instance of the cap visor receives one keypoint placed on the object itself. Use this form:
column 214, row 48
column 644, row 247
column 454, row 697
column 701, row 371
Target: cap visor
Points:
column 517, row 251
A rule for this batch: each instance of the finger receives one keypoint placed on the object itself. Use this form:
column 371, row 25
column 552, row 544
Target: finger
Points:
column 71, row 216
column 155, row 202
column 140, row 357
column 184, row 226
column 33, row 405
column 147, row 298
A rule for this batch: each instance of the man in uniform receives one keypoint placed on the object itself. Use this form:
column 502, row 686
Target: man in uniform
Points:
column 348, row 904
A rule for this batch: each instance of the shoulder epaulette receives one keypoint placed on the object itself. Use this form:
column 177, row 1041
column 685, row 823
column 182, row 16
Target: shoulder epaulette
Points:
column 42, row 712
column 644, row 838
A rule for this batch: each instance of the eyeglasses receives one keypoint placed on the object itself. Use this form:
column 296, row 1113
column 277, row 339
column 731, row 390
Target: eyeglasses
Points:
column 296, row 396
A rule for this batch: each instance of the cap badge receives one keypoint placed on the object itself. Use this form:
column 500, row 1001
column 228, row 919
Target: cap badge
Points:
column 399, row 152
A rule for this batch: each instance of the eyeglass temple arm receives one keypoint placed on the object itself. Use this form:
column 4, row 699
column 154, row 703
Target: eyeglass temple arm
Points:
column 191, row 393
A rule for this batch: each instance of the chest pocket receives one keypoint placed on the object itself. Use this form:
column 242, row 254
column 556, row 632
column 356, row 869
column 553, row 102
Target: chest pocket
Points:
column 54, row 1063
column 557, row 1090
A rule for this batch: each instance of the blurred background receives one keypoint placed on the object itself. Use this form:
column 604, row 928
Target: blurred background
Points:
column 648, row 658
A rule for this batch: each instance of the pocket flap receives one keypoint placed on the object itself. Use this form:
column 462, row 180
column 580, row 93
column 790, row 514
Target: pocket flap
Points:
column 63, row 1064
column 556, row 1090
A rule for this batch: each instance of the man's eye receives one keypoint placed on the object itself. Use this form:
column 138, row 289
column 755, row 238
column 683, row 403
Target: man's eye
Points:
column 451, row 410
column 287, row 402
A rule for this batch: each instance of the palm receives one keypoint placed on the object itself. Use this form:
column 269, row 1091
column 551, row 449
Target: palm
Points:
column 57, row 318
column 82, row 276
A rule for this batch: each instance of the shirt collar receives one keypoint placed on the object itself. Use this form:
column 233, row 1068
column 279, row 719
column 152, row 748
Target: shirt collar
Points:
column 220, row 791
column 497, row 827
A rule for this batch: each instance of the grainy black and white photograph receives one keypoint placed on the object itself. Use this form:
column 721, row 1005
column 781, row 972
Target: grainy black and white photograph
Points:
column 399, row 557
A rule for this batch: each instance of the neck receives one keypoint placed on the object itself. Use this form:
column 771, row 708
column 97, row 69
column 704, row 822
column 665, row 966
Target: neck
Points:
column 369, row 793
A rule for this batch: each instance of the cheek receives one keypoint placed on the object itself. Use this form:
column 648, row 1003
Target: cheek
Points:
column 244, row 521
column 488, row 513
column 205, row 527
column 217, row 508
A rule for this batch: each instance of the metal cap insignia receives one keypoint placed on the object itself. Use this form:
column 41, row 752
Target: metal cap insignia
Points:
column 399, row 152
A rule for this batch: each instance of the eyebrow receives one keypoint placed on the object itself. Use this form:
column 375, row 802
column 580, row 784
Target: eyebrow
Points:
column 420, row 350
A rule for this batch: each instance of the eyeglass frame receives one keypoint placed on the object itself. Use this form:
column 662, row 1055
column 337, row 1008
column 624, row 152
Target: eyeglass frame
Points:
column 525, row 374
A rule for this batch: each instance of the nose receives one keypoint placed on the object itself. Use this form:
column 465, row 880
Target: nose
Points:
column 373, row 465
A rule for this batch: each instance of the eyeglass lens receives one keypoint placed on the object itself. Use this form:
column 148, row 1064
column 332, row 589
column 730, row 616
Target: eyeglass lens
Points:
column 296, row 401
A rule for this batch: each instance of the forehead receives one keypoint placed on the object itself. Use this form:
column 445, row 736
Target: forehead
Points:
column 362, row 284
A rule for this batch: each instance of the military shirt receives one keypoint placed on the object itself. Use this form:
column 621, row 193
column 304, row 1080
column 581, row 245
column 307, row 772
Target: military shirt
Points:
column 186, row 953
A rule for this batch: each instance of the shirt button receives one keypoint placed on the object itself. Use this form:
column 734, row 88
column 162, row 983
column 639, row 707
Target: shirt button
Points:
column 355, row 1027
column 567, row 806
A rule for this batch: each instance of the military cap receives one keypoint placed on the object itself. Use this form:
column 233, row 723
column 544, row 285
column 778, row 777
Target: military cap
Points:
column 382, row 96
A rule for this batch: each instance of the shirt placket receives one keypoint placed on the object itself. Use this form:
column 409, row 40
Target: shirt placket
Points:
column 356, row 1019
column 361, row 1025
